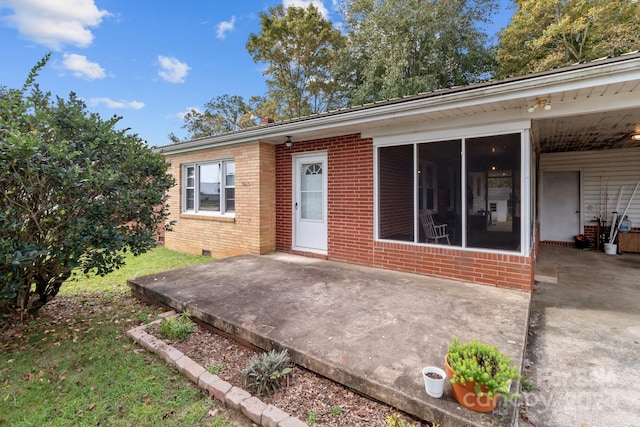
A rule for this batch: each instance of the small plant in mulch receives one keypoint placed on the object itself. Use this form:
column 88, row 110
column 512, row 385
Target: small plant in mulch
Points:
column 396, row 420
column 215, row 369
column 312, row 418
column 177, row 328
column 268, row 372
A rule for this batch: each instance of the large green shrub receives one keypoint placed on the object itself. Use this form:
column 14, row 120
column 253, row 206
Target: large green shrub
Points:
column 76, row 193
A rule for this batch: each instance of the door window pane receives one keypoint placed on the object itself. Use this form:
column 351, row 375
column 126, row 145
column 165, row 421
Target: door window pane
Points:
column 311, row 191
column 311, row 206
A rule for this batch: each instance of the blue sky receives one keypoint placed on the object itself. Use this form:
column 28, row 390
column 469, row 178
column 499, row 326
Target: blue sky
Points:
column 147, row 61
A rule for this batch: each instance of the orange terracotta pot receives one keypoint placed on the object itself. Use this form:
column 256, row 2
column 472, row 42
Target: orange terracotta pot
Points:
column 466, row 394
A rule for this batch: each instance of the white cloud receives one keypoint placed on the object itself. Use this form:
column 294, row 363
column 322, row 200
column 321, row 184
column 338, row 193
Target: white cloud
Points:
column 319, row 4
column 181, row 114
column 224, row 27
column 54, row 23
column 110, row 103
column 82, row 67
column 172, row 70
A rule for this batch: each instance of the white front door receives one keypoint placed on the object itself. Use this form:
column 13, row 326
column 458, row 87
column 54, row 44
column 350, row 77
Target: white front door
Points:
column 310, row 202
column 560, row 210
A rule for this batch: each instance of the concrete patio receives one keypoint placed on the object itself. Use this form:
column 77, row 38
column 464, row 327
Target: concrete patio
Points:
column 372, row 330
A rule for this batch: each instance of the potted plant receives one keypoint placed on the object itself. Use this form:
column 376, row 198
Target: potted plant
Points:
column 479, row 375
column 434, row 380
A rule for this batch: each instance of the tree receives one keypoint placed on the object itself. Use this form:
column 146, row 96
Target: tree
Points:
column 300, row 48
column 545, row 34
column 76, row 194
column 403, row 47
column 222, row 114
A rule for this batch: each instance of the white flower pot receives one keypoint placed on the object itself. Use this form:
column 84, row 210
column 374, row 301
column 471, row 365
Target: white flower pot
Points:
column 434, row 386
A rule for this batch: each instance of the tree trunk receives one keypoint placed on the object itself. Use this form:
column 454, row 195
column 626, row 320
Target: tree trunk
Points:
column 46, row 290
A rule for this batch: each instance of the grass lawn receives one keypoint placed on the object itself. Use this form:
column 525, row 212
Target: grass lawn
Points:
column 73, row 365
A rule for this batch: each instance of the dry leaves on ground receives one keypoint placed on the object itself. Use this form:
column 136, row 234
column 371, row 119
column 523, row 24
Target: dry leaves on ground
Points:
column 309, row 397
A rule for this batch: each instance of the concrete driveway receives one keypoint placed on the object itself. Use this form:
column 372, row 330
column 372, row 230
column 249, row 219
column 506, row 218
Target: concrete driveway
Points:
column 583, row 354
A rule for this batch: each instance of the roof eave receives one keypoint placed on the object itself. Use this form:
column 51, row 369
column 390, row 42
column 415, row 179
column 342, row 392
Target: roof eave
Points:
column 574, row 77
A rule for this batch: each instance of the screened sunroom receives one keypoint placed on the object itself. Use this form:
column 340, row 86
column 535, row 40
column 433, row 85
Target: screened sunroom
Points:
column 458, row 192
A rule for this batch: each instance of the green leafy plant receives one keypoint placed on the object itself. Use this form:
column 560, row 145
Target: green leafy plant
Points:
column 215, row 369
column 312, row 418
column 143, row 318
column 336, row 411
column 396, row 420
column 483, row 364
column 177, row 328
column 267, row 372
column 527, row 384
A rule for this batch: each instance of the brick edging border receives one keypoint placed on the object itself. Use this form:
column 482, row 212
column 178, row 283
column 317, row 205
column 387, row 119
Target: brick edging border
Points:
column 253, row 408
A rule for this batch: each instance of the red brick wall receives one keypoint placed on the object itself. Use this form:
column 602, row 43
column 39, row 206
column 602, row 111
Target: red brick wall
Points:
column 504, row 271
column 351, row 228
column 350, row 196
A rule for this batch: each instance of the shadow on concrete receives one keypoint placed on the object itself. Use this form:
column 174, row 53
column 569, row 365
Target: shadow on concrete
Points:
column 372, row 330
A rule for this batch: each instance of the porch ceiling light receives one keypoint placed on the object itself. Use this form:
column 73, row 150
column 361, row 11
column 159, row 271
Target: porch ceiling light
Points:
column 288, row 143
column 543, row 103
column 635, row 137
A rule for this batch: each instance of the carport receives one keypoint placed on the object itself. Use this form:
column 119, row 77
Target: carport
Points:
column 587, row 153
column 584, row 339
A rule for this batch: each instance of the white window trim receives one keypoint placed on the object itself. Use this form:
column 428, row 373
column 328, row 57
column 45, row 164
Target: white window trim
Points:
column 196, row 203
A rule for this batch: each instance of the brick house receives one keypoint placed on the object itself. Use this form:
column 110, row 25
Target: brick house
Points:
column 357, row 185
